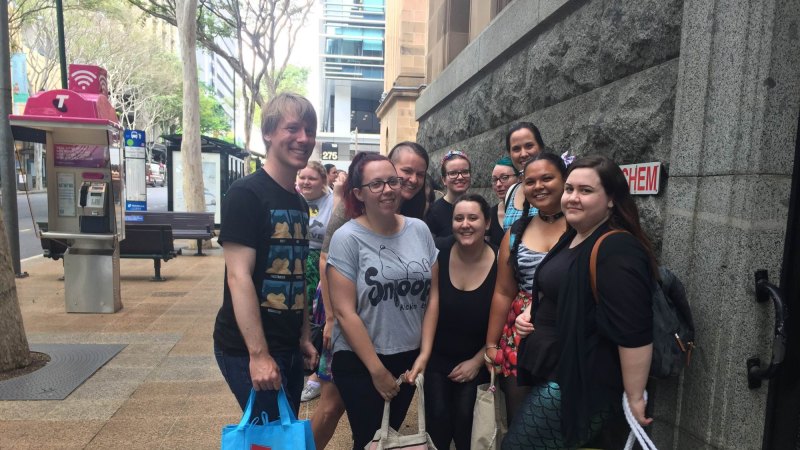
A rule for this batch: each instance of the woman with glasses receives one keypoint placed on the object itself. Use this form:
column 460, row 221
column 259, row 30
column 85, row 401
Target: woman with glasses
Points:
column 504, row 175
column 457, row 179
column 382, row 276
column 523, row 142
column 411, row 161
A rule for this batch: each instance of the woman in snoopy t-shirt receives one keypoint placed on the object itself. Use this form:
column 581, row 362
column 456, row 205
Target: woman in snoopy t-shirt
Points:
column 382, row 274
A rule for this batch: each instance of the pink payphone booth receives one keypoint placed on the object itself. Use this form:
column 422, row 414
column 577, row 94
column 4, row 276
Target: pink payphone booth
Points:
column 85, row 184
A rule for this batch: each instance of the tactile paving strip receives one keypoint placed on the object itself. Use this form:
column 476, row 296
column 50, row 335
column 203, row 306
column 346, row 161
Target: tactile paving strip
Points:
column 70, row 365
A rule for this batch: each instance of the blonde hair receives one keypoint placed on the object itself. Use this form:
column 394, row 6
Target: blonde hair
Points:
column 316, row 166
column 286, row 104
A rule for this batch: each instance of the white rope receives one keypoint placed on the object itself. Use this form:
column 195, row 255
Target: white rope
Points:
column 637, row 432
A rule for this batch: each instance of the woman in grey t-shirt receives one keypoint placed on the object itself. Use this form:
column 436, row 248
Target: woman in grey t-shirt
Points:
column 382, row 274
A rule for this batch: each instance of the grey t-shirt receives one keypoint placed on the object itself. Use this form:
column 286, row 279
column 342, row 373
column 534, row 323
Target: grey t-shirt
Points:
column 319, row 212
column 337, row 219
column 392, row 275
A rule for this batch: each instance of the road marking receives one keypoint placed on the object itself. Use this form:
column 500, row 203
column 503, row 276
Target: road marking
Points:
column 26, row 229
column 31, row 258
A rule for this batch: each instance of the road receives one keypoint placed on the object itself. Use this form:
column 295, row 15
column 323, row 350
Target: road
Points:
column 29, row 245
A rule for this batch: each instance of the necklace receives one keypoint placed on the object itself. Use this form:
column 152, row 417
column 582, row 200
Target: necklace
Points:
column 551, row 217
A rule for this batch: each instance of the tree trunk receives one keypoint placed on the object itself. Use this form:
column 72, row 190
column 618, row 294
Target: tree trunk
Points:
column 14, row 350
column 193, row 188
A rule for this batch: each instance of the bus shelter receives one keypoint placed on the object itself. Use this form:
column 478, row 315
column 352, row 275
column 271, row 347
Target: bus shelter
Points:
column 223, row 163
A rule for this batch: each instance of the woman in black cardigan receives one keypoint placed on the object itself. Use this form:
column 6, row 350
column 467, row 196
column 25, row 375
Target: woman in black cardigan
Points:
column 581, row 354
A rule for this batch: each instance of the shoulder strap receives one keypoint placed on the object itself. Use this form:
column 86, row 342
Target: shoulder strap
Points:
column 510, row 194
column 593, row 262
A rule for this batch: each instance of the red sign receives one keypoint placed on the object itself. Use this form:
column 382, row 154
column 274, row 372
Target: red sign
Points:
column 88, row 79
column 643, row 178
column 81, row 155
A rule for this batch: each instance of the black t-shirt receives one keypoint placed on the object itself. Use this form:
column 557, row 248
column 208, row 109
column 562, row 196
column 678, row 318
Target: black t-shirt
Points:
column 439, row 218
column 258, row 213
column 623, row 317
column 496, row 232
column 463, row 316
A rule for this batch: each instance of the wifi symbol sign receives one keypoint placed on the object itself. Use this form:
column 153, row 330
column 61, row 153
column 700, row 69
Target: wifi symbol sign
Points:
column 84, row 78
column 88, row 79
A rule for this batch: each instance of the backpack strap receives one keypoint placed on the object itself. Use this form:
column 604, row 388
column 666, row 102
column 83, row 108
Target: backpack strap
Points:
column 593, row 262
column 510, row 194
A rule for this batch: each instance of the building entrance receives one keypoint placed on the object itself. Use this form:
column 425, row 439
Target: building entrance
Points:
column 782, row 427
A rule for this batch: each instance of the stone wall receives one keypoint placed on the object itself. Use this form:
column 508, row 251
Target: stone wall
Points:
column 710, row 88
column 595, row 77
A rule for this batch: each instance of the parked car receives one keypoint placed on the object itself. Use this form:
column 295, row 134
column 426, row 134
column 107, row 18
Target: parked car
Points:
column 156, row 175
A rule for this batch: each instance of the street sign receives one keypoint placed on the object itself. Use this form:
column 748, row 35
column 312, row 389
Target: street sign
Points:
column 136, row 170
column 643, row 178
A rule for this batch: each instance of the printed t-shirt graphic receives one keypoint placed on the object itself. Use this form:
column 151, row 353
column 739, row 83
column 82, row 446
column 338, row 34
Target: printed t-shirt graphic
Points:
column 412, row 278
column 283, row 285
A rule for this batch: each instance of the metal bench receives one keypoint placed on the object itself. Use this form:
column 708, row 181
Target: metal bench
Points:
column 185, row 225
column 141, row 242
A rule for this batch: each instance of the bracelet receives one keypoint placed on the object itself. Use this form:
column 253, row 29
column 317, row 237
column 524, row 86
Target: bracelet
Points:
column 496, row 347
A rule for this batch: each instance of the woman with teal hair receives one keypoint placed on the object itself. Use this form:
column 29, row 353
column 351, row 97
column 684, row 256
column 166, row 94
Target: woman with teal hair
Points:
column 504, row 175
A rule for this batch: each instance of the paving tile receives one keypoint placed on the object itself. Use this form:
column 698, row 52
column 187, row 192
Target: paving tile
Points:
column 71, row 434
column 98, row 390
column 131, row 433
column 197, row 433
column 84, row 409
column 25, row 410
column 170, row 406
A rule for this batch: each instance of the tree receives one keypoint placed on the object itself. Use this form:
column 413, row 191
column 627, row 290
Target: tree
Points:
column 193, row 188
column 140, row 73
column 14, row 350
column 262, row 26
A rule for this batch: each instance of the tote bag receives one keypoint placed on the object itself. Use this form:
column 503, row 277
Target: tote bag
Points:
column 388, row 439
column 489, row 417
column 288, row 433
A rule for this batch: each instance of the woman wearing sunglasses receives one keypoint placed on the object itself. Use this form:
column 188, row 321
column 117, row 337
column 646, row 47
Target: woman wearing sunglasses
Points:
column 382, row 276
column 457, row 178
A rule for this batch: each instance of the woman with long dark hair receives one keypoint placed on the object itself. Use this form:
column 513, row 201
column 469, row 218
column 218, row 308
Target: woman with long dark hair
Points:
column 523, row 142
column 411, row 161
column 595, row 349
column 522, row 249
column 382, row 276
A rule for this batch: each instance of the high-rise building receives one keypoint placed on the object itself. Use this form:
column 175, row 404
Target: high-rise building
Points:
column 352, row 58
column 217, row 74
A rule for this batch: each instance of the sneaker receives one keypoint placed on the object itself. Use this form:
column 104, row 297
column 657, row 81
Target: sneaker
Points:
column 310, row 392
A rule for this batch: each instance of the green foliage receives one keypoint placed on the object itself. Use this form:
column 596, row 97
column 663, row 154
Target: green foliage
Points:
column 213, row 119
column 294, row 80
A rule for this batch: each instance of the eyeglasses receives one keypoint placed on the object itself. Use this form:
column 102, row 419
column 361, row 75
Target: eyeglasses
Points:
column 377, row 186
column 502, row 178
column 453, row 174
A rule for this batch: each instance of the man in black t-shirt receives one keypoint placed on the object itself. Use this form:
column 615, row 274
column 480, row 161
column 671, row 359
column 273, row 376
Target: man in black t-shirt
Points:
column 261, row 335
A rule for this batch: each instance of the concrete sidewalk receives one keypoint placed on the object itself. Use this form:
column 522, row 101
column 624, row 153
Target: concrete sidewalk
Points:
column 163, row 390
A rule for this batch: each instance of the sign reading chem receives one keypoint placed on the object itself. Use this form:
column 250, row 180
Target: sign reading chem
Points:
column 643, row 178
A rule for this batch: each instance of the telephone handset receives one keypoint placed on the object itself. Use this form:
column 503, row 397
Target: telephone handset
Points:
column 84, row 194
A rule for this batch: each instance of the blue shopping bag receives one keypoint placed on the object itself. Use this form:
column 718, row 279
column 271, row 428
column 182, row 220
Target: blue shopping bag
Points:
column 288, row 433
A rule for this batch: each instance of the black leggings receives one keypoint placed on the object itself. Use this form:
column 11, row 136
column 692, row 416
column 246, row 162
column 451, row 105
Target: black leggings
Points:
column 363, row 403
column 448, row 409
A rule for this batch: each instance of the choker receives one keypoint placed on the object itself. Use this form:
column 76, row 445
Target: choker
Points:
column 552, row 217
